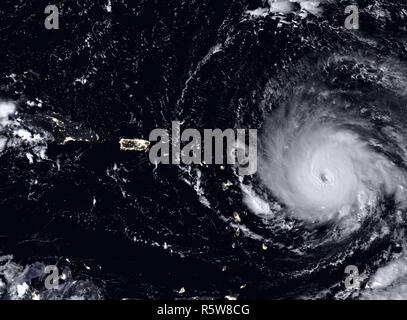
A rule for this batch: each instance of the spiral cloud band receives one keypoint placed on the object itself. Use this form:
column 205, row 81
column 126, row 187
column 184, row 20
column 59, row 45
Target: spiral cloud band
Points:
column 321, row 166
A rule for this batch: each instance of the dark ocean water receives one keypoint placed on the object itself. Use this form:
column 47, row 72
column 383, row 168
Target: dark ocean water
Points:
column 119, row 69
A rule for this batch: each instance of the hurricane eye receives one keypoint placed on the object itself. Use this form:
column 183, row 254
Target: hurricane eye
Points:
column 324, row 177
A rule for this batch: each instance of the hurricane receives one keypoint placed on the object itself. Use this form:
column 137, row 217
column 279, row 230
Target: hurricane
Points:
column 324, row 161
